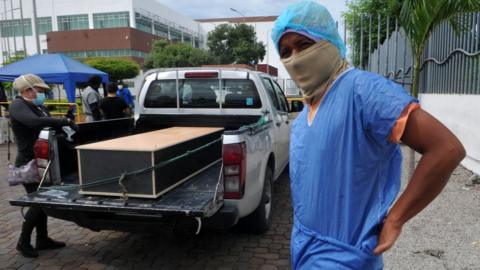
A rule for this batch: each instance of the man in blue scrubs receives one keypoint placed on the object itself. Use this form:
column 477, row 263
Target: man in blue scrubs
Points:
column 345, row 161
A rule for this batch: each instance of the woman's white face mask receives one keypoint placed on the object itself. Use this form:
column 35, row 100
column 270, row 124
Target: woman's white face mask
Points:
column 312, row 68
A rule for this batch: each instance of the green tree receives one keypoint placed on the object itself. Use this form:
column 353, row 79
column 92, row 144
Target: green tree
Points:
column 358, row 14
column 13, row 59
column 165, row 55
column 420, row 17
column 236, row 44
column 117, row 68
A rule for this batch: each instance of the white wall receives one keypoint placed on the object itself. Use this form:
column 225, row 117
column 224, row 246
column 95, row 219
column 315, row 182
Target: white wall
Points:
column 461, row 114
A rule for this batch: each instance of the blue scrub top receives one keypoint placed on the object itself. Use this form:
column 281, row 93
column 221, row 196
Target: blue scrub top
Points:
column 344, row 172
column 126, row 95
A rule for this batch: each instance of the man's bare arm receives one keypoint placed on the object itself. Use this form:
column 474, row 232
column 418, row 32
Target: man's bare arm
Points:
column 441, row 153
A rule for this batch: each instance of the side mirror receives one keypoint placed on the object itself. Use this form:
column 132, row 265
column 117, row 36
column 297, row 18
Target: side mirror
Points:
column 296, row 106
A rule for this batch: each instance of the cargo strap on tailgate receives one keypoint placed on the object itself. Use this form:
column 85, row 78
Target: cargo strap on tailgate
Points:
column 122, row 177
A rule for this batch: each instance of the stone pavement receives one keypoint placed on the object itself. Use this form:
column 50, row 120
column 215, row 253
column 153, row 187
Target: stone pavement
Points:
column 229, row 249
column 445, row 236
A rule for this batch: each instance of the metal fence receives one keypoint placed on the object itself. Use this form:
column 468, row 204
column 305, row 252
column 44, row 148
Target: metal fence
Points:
column 450, row 64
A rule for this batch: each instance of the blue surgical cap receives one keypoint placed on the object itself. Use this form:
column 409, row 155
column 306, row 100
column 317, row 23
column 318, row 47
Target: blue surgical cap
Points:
column 310, row 18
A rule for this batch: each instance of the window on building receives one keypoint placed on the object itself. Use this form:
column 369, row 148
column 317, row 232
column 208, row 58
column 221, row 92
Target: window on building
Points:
column 197, row 43
column 44, row 25
column 13, row 28
column 160, row 29
column 111, row 20
column 72, row 22
column 107, row 53
column 20, row 53
column 175, row 35
column 143, row 23
column 187, row 38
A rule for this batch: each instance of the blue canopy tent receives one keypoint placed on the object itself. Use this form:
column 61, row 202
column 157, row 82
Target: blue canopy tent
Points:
column 53, row 68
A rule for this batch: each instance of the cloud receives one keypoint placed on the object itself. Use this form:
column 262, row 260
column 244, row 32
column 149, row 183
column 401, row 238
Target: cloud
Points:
column 204, row 9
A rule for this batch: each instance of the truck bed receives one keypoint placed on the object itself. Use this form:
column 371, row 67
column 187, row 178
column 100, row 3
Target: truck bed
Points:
column 201, row 196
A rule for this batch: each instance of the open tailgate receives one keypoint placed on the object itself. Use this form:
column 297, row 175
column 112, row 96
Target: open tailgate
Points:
column 201, row 196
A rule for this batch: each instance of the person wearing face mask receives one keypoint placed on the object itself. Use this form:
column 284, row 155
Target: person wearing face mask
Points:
column 124, row 93
column 28, row 116
column 345, row 159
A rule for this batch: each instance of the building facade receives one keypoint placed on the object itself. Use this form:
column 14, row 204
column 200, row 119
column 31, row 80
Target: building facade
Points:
column 115, row 28
column 90, row 28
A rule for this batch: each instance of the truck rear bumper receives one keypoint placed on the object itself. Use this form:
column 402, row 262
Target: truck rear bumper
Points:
column 200, row 198
column 225, row 218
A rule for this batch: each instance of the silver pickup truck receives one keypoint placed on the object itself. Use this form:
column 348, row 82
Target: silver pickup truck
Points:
column 249, row 105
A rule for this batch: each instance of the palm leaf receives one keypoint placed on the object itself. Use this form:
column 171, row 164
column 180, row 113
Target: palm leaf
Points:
column 420, row 17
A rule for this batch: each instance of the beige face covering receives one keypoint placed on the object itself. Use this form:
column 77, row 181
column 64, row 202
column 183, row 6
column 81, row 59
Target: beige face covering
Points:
column 315, row 68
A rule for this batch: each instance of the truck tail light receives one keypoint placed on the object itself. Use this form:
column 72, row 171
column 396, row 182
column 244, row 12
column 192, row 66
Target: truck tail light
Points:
column 41, row 149
column 234, row 163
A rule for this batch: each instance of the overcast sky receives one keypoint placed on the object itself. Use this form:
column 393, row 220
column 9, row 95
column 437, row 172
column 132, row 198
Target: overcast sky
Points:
column 204, row 9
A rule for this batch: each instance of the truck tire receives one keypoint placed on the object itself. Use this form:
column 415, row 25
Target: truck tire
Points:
column 258, row 222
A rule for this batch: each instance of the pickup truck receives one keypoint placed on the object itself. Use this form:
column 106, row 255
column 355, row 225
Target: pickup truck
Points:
column 249, row 105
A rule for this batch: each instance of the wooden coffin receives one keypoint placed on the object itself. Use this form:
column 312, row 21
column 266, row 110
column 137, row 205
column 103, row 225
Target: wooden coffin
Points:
column 188, row 150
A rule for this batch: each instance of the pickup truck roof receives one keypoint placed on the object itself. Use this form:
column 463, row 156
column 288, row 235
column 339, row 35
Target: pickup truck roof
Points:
column 204, row 68
column 204, row 90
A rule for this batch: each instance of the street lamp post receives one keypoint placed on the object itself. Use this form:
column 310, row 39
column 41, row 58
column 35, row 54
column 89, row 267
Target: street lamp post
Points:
column 241, row 14
column 4, row 18
column 23, row 30
column 35, row 27
column 14, row 34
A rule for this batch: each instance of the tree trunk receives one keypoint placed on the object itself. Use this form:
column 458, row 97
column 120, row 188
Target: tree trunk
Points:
column 416, row 72
column 414, row 92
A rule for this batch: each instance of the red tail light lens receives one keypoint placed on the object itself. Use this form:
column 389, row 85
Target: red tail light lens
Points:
column 234, row 163
column 41, row 149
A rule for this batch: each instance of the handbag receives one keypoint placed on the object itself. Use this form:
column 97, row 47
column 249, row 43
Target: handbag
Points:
column 24, row 174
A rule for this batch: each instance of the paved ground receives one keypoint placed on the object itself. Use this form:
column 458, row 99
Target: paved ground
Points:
column 445, row 236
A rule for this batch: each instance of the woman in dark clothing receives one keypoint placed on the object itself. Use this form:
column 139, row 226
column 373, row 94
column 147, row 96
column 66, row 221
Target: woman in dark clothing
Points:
column 28, row 116
column 113, row 106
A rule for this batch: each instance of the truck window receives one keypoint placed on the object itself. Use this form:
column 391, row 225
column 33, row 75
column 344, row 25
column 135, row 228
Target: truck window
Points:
column 198, row 93
column 241, row 94
column 162, row 94
column 271, row 93
column 203, row 93
column 281, row 97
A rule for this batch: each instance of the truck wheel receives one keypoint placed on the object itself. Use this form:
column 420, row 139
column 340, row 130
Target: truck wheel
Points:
column 259, row 220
